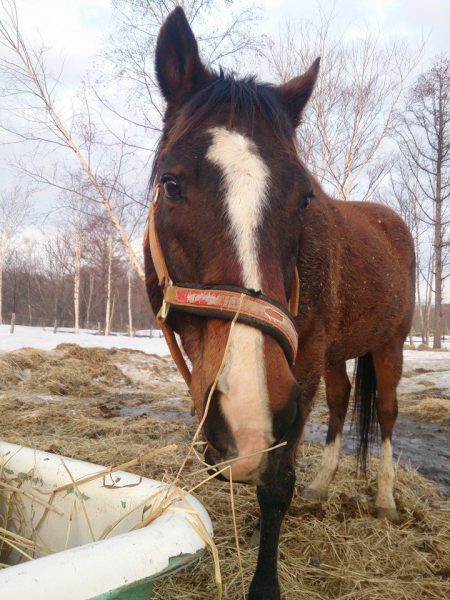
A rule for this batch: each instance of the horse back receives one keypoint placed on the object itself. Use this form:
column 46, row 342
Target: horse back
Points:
column 357, row 271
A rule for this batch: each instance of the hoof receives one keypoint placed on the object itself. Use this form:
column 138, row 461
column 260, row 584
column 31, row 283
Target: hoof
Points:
column 313, row 495
column 256, row 538
column 390, row 514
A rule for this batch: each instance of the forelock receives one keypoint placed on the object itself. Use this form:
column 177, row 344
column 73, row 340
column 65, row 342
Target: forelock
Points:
column 244, row 101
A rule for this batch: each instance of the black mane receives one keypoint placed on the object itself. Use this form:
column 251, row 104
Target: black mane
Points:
column 245, row 99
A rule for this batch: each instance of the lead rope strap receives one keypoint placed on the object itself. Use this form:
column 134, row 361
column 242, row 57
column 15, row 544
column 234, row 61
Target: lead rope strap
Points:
column 177, row 356
column 164, row 281
column 176, row 352
column 294, row 300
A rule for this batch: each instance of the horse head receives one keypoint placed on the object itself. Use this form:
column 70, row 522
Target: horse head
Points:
column 231, row 192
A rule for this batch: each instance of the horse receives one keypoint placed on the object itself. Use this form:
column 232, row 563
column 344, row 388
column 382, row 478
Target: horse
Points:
column 238, row 227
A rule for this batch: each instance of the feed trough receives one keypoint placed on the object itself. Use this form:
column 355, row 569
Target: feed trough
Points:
column 87, row 537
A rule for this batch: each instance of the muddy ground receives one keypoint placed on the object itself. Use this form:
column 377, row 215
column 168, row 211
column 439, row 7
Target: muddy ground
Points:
column 109, row 406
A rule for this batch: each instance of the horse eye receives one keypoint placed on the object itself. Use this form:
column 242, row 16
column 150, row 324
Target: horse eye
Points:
column 171, row 188
column 307, row 200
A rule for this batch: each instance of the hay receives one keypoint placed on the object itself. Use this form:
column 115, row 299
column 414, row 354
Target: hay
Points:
column 409, row 347
column 334, row 550
column 67, row 371
column 415, row 372
column 436, row 410
column 423, row 346
column 15, row 536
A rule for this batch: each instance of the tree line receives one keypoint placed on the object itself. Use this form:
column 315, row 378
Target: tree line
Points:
column 75, row 277
column 377, row 128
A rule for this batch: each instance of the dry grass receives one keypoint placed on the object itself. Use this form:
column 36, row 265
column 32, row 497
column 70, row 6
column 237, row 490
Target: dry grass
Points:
column 423, row 346
column 70, row 371
column 409, row 347
column 336, row 550
column 436, row 410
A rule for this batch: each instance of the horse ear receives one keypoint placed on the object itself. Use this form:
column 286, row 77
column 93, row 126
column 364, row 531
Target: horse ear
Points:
column 298, row 90
column 178, row 66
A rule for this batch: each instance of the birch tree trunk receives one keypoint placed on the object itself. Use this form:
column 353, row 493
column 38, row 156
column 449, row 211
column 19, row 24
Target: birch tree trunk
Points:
column 108, row 286
column 1, row 290
column 89, row 302
column 30, row 313
column 113, row 306
column 76, row 283
column 130, row 313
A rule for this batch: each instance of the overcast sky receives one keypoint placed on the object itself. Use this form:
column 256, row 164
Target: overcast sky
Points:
column 75, row 30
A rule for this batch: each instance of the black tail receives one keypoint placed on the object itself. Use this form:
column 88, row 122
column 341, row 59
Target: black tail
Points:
column 364, row 413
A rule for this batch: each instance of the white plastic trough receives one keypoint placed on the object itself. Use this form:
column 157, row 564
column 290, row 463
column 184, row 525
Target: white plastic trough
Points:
column 69, row 564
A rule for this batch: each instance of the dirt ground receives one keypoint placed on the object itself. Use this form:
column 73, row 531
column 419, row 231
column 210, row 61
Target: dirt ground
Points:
column 109, row 406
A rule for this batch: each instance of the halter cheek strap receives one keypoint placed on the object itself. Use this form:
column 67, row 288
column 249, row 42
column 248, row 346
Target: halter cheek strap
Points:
column 220, row 302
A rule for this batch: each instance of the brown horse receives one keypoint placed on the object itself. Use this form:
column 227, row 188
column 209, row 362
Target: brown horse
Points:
column 238, row 208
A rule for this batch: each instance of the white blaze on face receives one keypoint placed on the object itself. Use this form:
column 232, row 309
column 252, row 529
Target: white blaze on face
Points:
column 245, row 179
column 244, row 399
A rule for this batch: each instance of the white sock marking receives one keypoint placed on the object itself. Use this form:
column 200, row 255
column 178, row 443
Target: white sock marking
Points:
column 386, row 477
column 328, row 467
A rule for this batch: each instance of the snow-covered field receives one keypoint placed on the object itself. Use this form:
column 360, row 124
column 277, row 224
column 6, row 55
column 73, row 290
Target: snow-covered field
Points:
column 43, row 338
column 425, row 369
column 422, row 369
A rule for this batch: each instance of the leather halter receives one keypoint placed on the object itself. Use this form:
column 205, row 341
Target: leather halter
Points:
column 220, row 302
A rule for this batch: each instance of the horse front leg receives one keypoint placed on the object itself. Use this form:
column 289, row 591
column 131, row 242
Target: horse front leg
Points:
column 274, row 499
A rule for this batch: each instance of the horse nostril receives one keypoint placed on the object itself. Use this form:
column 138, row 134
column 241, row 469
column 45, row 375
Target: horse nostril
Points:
column 216, row 429
column 209, row 459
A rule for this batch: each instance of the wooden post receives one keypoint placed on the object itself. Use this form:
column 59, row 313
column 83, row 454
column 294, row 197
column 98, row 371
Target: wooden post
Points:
column 13, row 322
column 55, row 326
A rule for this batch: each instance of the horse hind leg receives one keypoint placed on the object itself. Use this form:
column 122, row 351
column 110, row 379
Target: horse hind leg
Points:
column 338, row 392
column 388, row 368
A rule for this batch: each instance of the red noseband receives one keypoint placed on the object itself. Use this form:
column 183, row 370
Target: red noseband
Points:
column 220, row 302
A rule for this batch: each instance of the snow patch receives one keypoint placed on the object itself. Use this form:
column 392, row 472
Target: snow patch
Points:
column 43, row 338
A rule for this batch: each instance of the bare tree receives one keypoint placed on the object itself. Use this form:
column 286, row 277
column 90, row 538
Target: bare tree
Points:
column 27, row 80
column 76, row 220
column 225, row 32
column 15, row 208
column 39, row 279
column 129, row 303
column 351, row 112
column 110, row 252
column 58, row 267
column 404, row 195
column 424, row 140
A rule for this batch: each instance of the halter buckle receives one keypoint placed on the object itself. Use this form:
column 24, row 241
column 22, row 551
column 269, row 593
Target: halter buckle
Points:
column 165, row 306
